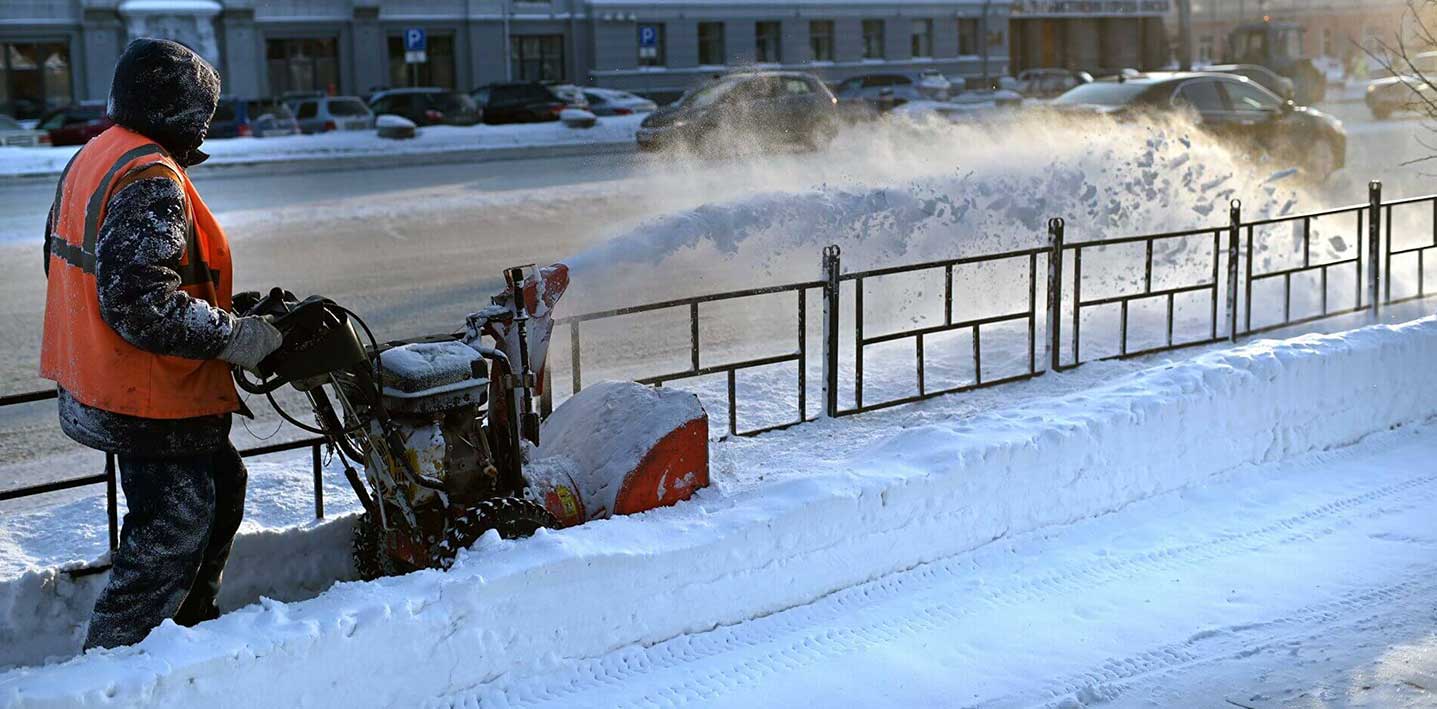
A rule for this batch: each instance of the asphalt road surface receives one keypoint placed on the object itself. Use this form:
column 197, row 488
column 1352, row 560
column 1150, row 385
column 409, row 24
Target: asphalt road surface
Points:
column 416, row 247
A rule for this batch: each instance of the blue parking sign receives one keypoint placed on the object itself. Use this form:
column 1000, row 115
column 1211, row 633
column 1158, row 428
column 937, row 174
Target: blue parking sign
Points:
column 415, row 40
column 648, row 36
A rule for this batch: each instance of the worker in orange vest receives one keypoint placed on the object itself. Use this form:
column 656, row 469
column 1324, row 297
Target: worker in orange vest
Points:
column 139, row 340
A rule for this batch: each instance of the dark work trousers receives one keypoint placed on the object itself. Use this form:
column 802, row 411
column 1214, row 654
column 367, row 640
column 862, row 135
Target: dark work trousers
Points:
column 182, row 518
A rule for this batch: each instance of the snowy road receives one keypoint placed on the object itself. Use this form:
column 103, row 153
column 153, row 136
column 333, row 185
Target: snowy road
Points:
column 1304, row 583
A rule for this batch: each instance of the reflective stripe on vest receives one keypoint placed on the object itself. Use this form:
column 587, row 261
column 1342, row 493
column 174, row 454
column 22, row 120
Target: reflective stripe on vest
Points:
column 80, row 351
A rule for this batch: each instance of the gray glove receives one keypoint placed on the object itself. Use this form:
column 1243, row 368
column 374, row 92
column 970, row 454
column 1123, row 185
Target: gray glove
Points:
column 251, row 340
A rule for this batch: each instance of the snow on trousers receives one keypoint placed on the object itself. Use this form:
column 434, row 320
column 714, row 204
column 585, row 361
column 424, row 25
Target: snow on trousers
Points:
column 181, row 522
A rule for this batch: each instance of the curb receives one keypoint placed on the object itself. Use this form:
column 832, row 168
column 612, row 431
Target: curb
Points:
column 286, row 166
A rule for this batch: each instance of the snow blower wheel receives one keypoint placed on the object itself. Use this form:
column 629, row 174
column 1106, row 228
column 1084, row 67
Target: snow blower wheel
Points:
column 511, row 517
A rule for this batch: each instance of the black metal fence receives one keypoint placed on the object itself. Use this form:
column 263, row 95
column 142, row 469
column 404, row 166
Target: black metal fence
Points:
column 1228, row 306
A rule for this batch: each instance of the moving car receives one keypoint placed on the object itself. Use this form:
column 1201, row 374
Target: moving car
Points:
column 1398, row 93
column 323, row 114
column 527, row 101
column 75, row 124
column 14, row 135
column 1269, row 79
column 427, row 106
column 260, row 118
column 610, row 102
column 1047, row 83
column 765, row 107
column 1234, row 108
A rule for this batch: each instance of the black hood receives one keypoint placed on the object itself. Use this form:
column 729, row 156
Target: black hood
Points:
column 167, row 93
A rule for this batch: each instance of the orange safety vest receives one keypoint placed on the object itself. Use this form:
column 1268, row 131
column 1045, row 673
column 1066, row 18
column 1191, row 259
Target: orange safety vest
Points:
column 82, row 353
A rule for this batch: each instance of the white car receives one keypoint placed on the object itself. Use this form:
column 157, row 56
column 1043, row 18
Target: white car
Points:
column 12, row 134
column 611, row 102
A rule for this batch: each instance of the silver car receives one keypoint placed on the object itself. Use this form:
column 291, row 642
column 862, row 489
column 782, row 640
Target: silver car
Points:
column 332, row 113
column 611, row 102
column 14, row 135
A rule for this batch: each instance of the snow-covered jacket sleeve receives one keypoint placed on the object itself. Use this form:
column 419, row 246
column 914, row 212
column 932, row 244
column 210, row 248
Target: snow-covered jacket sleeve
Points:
column 137, row 257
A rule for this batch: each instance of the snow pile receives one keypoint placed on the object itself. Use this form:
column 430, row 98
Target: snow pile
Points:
column 931, row 491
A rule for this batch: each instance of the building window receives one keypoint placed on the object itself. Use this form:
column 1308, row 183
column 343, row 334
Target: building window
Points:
column 651, row 45
column 303, row 65
column 967, row 37
column 1327, row 45
column 34, row 78
column 767, row 43
column 1205, row 49
column 873, row 39
column 537, row 57
column 437, row 70
column 922, row 45
column 820, row 40
column 711, row 49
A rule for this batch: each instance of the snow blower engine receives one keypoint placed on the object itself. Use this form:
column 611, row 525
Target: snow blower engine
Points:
column 446, row 431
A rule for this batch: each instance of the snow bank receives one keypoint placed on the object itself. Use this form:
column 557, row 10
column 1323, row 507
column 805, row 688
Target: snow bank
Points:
column 928, row 492
column 344, row 144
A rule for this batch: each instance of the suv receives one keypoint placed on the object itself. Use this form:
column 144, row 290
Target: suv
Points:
column 261, row 118
column 427, row 106
column 331, row 113
column 527, row 101
column 75, row 124
column 770, row 106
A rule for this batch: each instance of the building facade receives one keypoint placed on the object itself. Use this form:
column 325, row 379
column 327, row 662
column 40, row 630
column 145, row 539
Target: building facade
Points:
column 1098, row 36
column 1338, row 30
column 53, row 52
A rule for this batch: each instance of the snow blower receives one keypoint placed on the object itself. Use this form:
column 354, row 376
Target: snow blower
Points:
column 446, row 431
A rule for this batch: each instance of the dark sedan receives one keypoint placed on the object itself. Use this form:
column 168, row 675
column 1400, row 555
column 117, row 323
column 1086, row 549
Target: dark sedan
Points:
column 527, row 101
column 741, row 109
column 75, row 124
column 1234, row 108
column 427, row 106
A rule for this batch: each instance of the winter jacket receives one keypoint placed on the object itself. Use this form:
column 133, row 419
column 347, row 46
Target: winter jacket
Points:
column 167, row 93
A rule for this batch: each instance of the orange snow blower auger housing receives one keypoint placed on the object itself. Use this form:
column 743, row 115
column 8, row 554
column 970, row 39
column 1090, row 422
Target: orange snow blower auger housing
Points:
column 446, row 432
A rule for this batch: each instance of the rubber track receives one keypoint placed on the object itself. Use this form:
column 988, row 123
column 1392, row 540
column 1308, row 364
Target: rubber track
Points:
column 566, row 685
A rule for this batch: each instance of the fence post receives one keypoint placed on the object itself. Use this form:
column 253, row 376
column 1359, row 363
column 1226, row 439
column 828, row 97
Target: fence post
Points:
column 1234, row 227
column 317, row 470
column 112, row 504
column 1374, row 245
column 830, row 330
column 1055, row 292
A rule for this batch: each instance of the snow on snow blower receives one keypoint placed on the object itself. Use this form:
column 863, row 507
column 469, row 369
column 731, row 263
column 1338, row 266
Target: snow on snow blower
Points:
column 446, row 431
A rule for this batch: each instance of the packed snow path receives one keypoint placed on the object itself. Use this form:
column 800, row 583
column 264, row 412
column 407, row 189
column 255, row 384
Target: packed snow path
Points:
column 1306, row 582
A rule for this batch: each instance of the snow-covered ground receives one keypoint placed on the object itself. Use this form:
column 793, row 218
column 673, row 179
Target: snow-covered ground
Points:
column 324, row 146
column 878, row 550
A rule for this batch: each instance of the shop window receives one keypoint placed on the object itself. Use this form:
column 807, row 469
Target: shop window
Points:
column 35, row 77
column 767, row 43
column 538, row 57
column 303, row 65
column 873, row 40
column 820, row 40
column 922, row 44
column 711, row 44
column 437, row 70
column 968, row 36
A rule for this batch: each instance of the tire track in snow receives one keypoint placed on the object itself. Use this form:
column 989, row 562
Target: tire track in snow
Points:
column 562, row 685
column 1110, row 679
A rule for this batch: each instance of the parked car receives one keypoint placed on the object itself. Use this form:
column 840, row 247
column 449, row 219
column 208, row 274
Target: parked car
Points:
column 427, row 106
column 1269, row 79
column 527, row 101
column 14, row 135
column 1390, row 94
column 767, row 107
column 330, row 113
column 870, row 95
column 260, row 118
column 1231, row 107
column 75, row 124
column 1047, row 83
column 610, row 102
